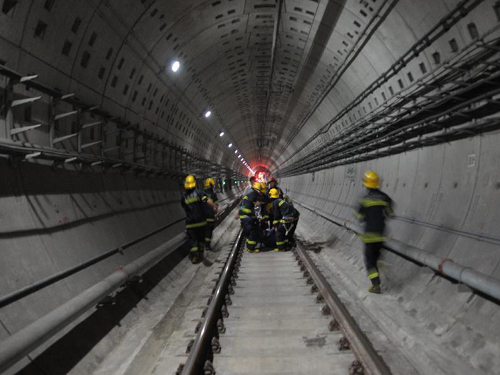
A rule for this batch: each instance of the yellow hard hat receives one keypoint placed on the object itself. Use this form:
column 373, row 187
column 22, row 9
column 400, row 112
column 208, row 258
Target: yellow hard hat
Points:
column 274, row 193
column 190, row 182
column 209, row 182
column 371, row 180
column 257, row 186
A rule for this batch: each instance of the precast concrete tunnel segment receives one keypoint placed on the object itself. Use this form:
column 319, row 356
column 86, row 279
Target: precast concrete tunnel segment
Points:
column 105, row 106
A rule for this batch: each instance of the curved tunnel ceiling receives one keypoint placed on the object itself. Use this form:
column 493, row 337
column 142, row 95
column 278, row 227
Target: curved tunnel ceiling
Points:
column 272, row 72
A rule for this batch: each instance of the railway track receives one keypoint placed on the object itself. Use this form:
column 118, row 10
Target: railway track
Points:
column 275, row 313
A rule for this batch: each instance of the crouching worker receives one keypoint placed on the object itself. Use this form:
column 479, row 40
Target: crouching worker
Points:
column 212, row 197
column 373, row 209
column 196, row 205
column 283, row 219
column 249, row 222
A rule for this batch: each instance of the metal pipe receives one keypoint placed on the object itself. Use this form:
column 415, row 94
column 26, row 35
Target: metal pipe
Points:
column 445, row 266
column 40, row 284
column 373, row 364
column 23, row 342
column 197, row 356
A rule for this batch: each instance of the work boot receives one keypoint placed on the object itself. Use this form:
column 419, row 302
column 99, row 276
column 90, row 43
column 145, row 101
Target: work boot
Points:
column 276, row 250
column 375, row 289
column 252, row 251
column 195, row 259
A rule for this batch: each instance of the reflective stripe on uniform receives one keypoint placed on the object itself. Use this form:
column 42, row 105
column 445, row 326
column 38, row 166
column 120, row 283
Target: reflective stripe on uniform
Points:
column 251, row 242
column 280, row 203
column 280, row 243
column 196, row 225
column 275, row 222
column 193, row 249
column 245, row 197
column 208, row 239
column 374, row 202
column 209, row 220
column 204, row 198
column 246, row 210
column 244, row 217
column 371, row 237
column 372, row 273
column 192, row 200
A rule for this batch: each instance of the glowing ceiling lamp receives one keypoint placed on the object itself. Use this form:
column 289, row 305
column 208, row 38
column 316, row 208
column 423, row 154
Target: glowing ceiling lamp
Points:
column 175, row 66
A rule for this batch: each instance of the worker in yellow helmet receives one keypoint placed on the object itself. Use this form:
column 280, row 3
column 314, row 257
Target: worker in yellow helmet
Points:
column 248, row 216
column 373, row 209
column 196, row 205
column 209, row 186
column 283, row 219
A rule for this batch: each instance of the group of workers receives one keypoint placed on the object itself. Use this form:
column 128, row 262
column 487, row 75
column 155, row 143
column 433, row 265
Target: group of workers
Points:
column 269, row 219
column 200, row 206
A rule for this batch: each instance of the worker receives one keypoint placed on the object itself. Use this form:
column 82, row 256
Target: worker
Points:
column 209, row 186
column 296, row 216
column 248, row 217
column 196, row 205
column 273, row 184
column 283, row 219
column 373, row 209
column 248, row 189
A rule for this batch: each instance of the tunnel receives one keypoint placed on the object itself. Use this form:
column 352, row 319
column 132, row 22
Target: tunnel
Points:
column 107, row 105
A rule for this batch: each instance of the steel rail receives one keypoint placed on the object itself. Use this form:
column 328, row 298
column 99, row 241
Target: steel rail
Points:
column 476, row 280
column 15, row 347
column 361, row 346
column 202, row 345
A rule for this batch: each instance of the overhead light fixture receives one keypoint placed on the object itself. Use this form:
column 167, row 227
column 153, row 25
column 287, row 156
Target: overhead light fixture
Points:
column 175, row 66
column 239, row 156
column 235, row 151
column 221, row 134
column 230, row 145
column 208, row 114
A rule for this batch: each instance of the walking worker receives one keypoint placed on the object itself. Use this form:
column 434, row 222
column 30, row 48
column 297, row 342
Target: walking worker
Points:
column 209, row 186
column 196, row 205
column 248, row 218
column 283, row 219
column 373, row 209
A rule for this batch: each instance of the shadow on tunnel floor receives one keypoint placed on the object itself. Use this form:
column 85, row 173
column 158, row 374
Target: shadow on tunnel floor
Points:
column 62, row 356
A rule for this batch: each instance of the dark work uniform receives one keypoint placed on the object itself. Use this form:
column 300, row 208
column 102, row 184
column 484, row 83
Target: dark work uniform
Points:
column 291, row 233
column 373, row 209
column 194, row 203
column 283, row 219
column 248, row 219
column 210, row 214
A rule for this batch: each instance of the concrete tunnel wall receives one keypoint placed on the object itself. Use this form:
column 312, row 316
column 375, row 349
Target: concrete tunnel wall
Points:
column 446, row 204
column 63, row 213
column 52, row 220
